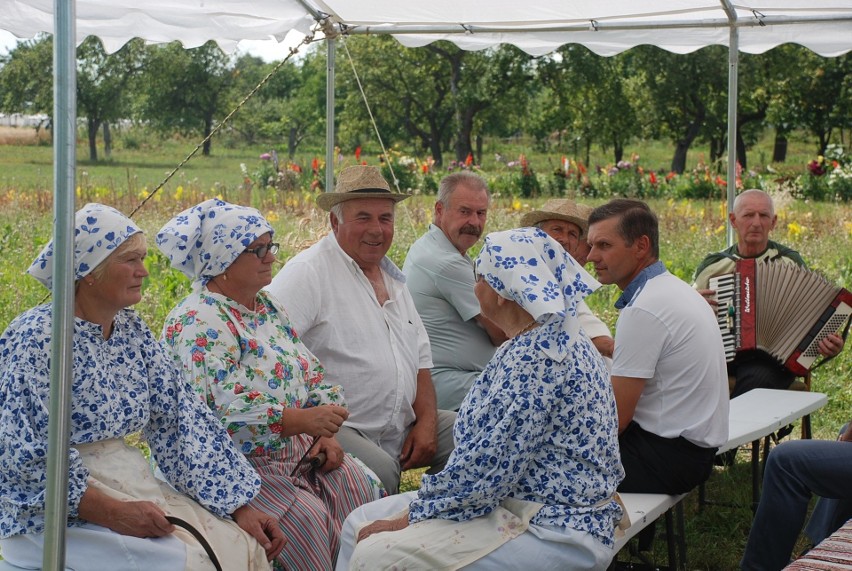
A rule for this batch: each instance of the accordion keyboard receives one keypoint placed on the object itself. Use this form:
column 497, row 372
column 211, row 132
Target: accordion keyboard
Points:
column 726, row 291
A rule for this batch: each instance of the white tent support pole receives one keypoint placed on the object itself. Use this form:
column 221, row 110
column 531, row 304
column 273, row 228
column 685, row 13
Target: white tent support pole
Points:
column 733, row 98
column 329, row 114
column 62, row 328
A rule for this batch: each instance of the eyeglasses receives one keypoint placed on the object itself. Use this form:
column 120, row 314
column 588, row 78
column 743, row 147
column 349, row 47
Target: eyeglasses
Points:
column 261, row 251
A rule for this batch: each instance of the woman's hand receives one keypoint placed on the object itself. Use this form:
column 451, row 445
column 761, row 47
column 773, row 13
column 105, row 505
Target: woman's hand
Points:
column 381, row 525
column 323, row 421
column 135, row 518
column 333, row 453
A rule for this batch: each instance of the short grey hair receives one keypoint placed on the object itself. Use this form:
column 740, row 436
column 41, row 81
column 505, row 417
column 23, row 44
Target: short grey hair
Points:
column 450, row 183
column 753, row 192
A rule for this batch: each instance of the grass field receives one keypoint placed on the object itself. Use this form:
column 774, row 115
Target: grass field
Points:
column 689, row 229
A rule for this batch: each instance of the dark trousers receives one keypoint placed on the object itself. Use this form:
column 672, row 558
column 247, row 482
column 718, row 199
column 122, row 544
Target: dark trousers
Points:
column 757, row 370
column 657, row 465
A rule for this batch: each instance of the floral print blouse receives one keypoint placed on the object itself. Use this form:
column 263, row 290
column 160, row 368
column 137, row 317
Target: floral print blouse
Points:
column 248, row 365
column 121, row 385
column 535, row 429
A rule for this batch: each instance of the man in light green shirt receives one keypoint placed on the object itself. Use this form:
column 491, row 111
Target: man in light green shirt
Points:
column 439, row 275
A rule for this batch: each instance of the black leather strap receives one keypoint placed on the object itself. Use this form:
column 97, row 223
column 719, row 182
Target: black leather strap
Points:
column 197, row 535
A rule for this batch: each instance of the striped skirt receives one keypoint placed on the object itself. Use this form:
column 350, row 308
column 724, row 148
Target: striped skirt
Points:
column 310, row 507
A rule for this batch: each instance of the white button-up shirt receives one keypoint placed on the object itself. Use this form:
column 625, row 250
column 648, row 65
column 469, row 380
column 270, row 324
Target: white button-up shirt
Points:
column 374, row 351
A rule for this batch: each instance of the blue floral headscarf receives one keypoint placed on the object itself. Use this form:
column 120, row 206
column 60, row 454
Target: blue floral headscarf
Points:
column 529, row 267
column 98, row 231
column 203, row 241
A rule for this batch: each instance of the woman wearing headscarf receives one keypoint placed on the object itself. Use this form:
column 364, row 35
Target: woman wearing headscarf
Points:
column 531, row 482
column 237, row 347
column 123, row 383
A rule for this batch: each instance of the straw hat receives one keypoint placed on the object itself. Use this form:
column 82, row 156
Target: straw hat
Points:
column 358, row 182
column 560, row 209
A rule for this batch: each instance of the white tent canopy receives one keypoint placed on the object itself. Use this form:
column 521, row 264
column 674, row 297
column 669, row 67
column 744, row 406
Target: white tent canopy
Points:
column 607, row 28
column 538, row 27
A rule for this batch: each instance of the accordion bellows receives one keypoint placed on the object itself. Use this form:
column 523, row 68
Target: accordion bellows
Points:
column 781, row 309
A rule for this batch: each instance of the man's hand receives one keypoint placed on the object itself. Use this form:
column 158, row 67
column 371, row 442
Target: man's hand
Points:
column 709, row 296
column 135, row 518
column 831, row 345
column 419, row 447
column 263, row 528
column 381, row 525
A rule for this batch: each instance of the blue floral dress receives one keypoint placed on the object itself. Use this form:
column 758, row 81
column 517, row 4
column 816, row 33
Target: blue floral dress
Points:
column 534, row 429
column 121, row 385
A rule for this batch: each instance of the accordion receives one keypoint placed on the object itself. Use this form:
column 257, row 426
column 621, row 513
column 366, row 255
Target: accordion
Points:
column 781, row 309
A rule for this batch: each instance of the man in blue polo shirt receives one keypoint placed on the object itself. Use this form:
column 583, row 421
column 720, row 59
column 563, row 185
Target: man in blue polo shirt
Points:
column 439, row 275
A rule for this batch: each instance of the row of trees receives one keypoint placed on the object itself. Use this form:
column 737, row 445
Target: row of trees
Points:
column 440, row 100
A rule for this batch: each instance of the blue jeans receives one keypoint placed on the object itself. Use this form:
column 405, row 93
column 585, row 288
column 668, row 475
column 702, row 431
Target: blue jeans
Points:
column 796, row 470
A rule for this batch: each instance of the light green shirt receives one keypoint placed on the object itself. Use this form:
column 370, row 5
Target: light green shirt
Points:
column 441, row 282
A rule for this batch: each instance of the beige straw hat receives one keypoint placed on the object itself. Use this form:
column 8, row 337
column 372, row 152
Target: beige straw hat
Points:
column 358, row 182
column 560, row 209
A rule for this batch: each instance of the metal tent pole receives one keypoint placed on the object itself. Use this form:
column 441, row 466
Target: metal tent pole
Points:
column 733, row 82
column 62, row 328
column 329, row 115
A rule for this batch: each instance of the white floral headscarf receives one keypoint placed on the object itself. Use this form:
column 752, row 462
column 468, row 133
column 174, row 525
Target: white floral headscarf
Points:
column 530, row 268
column 98, row 231
column 203, row 241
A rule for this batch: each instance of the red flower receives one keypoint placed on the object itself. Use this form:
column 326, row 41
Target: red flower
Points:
column 357, row 153
column 198, row 356
column 315, row 165
column 232, row 328
column 238, row 389
column 279, row 370
column 469, row 160
column 178, row 327
column 201, row 341
column 276, row 427
column 252, row 344
column 253, row 395
column 653, row 178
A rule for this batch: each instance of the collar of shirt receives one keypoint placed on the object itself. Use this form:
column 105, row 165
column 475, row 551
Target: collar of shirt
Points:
column 638, row 283
column 444, row 243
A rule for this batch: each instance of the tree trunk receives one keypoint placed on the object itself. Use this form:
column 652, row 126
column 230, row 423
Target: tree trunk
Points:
column 779, row 149
column 291, row 143
column 741, row 151
column 208, row 128
column 479, row 149
column 93, row 126
column 682, row 146
column 435, row 149
column 618, row 151
column 107, row 140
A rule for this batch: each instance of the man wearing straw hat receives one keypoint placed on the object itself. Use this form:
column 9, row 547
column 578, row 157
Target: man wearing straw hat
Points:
column 349, row 303
column 568, row 223
column 439, row 275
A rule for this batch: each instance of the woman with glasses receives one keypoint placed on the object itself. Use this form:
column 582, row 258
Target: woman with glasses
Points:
column 236, row 345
